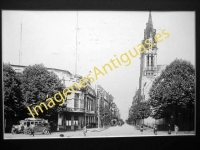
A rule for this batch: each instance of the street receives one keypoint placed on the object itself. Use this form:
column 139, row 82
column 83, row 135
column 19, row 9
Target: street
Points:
column 113, row 131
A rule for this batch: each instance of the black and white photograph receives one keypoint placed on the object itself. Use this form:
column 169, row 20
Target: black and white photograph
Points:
column 98, row 74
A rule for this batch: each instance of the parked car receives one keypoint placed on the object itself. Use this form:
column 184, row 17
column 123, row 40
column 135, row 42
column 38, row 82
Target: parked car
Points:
column 17, row 129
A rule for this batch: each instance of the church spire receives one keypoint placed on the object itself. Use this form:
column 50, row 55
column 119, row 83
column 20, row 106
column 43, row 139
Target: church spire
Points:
column 149, row 27
column 150, row 22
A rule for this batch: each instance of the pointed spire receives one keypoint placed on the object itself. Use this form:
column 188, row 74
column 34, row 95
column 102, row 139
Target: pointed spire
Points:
column 149, row 27
column 150, row 22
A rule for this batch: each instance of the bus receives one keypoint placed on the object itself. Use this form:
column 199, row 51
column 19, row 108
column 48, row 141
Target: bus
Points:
column 32, row 122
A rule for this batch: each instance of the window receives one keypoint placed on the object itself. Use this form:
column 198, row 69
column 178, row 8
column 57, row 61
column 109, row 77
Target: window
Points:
column 92, row 105
column 76, row 100
column 82, row 103
column 69, row 122
column 151, row 60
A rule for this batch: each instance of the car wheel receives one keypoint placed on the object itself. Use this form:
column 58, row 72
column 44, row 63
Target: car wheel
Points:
column 27, row 131
column 45, row 131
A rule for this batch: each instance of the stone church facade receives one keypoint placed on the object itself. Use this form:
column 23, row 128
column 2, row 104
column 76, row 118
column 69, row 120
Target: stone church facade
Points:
column 149, row 69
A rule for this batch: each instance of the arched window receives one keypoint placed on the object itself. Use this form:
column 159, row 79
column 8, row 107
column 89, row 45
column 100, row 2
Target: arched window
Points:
column 147, row 60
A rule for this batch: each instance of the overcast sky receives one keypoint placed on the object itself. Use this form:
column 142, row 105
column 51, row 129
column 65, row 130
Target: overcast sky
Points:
column 52, row 38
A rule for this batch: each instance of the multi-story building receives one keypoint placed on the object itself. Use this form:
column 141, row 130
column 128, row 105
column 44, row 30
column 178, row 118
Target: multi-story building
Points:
column 111, row 101
column 79, row 109
column 105, row 100
column 149, row 69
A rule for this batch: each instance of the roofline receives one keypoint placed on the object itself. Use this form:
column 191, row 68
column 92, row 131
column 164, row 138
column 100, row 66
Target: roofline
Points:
column 161, row 65
column 45, row 67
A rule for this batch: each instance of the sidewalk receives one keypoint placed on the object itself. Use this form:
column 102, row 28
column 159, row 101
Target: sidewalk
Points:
column 144, row 127
column 148, row 130
column 100, row 129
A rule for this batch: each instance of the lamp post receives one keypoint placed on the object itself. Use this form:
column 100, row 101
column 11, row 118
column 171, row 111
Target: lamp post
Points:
column 143, row 115
column 98, row 104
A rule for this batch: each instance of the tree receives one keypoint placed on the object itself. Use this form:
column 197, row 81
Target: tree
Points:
column 37, row 83
column 140, row 111
column 173, row 92
column 13, row 101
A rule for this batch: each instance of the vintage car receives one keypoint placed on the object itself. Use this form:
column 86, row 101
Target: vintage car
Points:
column 40, row 128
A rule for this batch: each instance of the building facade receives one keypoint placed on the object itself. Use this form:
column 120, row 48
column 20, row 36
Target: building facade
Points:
column 149, row 69
column 81, row 108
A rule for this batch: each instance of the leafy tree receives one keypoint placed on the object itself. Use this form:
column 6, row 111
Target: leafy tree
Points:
column 37, row 83
column 140, row 111
column 173, row 91
column 13, row 101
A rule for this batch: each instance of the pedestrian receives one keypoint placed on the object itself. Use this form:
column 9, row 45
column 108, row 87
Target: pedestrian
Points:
column 22, row 129
column 85, row 130
column 31, row 131
column 13, row 129
column 169, row 129
column 176, row 129
column 155, row 129
column 141, row 129
column 75, row 126
column 49, row 128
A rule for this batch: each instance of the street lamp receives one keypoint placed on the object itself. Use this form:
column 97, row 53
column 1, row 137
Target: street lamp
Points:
column 143, row 115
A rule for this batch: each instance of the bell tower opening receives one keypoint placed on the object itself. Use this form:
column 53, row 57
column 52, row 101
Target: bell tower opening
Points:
column 149, row 68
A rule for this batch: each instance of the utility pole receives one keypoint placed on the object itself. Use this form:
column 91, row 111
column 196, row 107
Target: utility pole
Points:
column 76, row 45
column 20, row 49
column 98, row 107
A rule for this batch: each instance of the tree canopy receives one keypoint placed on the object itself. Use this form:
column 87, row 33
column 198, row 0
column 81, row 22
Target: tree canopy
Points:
column 37, row 82
column 174, row 90
column 140, row 111
column 13, row 101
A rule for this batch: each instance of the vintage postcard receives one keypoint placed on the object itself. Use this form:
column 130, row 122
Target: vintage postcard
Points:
column 91, row 74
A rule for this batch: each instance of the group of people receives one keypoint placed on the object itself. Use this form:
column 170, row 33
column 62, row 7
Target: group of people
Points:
column 17, row 129
column 155, row 129
column 175, row 129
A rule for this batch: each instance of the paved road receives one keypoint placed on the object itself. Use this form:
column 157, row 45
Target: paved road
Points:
column 116, row 131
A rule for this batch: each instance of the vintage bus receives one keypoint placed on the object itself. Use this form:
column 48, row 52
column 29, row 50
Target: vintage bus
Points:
column 32, row 122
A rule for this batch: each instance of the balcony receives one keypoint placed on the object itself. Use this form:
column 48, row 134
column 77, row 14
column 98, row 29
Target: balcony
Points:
column 68, row 109
column 89, row 111
column 150, row 68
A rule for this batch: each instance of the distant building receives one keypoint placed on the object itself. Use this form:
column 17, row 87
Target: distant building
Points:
column 104, row 106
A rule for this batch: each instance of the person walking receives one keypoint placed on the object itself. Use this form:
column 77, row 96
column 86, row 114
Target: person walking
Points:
column 49, row 128
column 176, row 129
column 31, row 131
column 141, row 129
column 155, row 129
column 13, row 129
column 75, row 126
column 85, row 130
column 22, row 129
column 169, row 129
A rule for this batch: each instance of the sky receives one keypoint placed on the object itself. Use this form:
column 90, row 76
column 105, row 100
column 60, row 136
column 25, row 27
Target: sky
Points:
column 53, row 38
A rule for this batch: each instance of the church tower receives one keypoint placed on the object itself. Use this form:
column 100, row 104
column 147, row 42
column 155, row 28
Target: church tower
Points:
column 148, row 59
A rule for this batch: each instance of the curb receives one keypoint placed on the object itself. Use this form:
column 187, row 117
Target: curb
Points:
column 99, row 130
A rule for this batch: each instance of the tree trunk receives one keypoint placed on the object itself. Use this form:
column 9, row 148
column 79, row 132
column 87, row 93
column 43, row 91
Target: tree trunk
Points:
column 176, row 114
